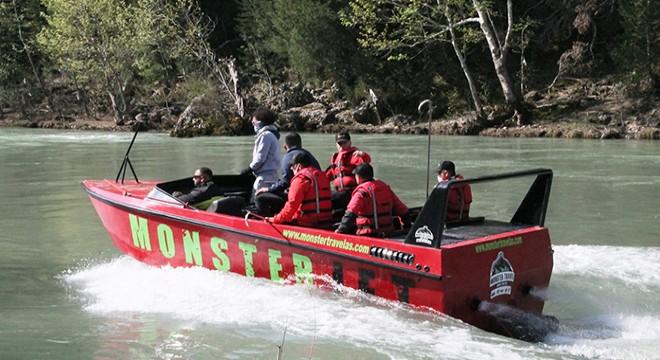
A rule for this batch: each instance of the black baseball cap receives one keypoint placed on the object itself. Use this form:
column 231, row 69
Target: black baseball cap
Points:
column 343, row 136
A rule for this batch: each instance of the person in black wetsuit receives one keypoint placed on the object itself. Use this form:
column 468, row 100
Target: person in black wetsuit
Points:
column 204, row 191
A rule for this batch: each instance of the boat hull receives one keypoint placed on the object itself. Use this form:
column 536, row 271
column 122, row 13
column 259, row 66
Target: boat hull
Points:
column 456, row 279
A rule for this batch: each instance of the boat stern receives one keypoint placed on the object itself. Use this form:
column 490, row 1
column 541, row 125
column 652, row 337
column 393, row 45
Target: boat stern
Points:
column 498, row 283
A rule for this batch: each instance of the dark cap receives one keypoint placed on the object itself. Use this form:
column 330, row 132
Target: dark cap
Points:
column 365, row 170
column 446, row 165
column 301, row 158
column 343, row 136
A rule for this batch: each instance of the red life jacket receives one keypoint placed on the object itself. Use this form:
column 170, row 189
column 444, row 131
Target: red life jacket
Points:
column 458, row 202
column 316, row 208
column 374, row 213
column 343, row 163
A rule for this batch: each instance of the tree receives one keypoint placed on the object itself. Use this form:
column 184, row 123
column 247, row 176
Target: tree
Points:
column 303, row 39
column 94, row 41
column 394, row 26
column 499, row 44
column 115, row 48
column 19, row 24
column 636, row 50
column 9, row 55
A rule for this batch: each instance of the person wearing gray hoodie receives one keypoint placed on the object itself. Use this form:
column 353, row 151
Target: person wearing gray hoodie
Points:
column 266, row 155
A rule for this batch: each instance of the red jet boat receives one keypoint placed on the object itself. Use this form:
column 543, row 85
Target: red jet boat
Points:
column 485, row 272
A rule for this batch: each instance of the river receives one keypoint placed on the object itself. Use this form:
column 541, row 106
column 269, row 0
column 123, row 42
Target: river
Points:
column 67, row 293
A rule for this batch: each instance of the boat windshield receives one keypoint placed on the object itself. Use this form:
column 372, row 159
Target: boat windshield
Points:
column 160, row 195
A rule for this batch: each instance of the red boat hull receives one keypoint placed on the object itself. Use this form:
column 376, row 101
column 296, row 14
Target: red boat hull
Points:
column 452, row 279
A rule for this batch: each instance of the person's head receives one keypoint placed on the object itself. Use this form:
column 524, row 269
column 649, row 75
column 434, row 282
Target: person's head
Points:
column 363, row 172
column 300, row 161
column 202, row 175
column 446, row 170
column 291, row 140
column 343, row 140
column 262, row 117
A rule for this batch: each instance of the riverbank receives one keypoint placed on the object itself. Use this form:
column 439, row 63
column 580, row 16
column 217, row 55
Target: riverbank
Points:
column 582, row 110
column 561, row 128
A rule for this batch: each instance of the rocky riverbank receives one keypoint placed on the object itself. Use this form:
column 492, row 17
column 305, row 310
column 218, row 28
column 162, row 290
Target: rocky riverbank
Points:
column 582, row 110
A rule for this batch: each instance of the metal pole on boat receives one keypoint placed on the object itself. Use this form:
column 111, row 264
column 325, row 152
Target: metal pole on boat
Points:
column 127, row 162
column 247, row 224
column 428, row 152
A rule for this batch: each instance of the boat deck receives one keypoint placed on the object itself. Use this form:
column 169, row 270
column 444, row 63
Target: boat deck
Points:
column 469, row 231
column 485, row 228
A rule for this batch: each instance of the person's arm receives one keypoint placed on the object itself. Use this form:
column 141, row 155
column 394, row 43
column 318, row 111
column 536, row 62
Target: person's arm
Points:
column 467, row 194
column 281, row 184
column 284, row 182
column 296, row 195
column 260, row 151
column 347, row 225
column 360, row 156
column 398, row 207
column 401, row 210
column 330, row 170
column 194, row 196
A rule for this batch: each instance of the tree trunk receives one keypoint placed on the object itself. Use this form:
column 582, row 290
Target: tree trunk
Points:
column 117, row 113
column 478, row 106
column 498, row 50
column 238, row 99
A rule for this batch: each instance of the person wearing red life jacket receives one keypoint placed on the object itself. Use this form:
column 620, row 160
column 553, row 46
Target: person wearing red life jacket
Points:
column 340, row 171
column 308, row 203
column 372, row 207
column 459, row 197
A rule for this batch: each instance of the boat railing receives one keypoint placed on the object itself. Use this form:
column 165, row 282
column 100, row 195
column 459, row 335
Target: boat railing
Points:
column 430, row 227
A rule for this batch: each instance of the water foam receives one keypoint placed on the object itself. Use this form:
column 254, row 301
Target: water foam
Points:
column 197, row 295
column 637, row 267
column 607, row 299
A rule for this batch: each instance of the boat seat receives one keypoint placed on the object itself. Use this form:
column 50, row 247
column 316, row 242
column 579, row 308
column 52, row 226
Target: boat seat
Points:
column 243, row 194
column 204, row 205
column 231, row 205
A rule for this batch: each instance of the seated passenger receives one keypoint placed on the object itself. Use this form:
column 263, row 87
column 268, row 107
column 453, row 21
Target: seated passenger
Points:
column 308, row 202
column 459, row 197
column 270, row 200
column 372, row 206
column 203, row 193
column 340, row 171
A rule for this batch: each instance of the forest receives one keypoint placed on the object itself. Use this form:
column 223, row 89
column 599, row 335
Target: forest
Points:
column 500, row 68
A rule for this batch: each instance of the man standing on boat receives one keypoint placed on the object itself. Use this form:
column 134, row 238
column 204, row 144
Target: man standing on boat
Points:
column 308, row 201
column 270, row 200
column 204, row 191
column 340, row 171
column 372, row 207
column 459, row 197
column 266, row 157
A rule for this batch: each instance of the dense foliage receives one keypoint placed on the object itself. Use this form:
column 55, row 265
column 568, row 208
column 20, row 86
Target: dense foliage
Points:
column 70, row 58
